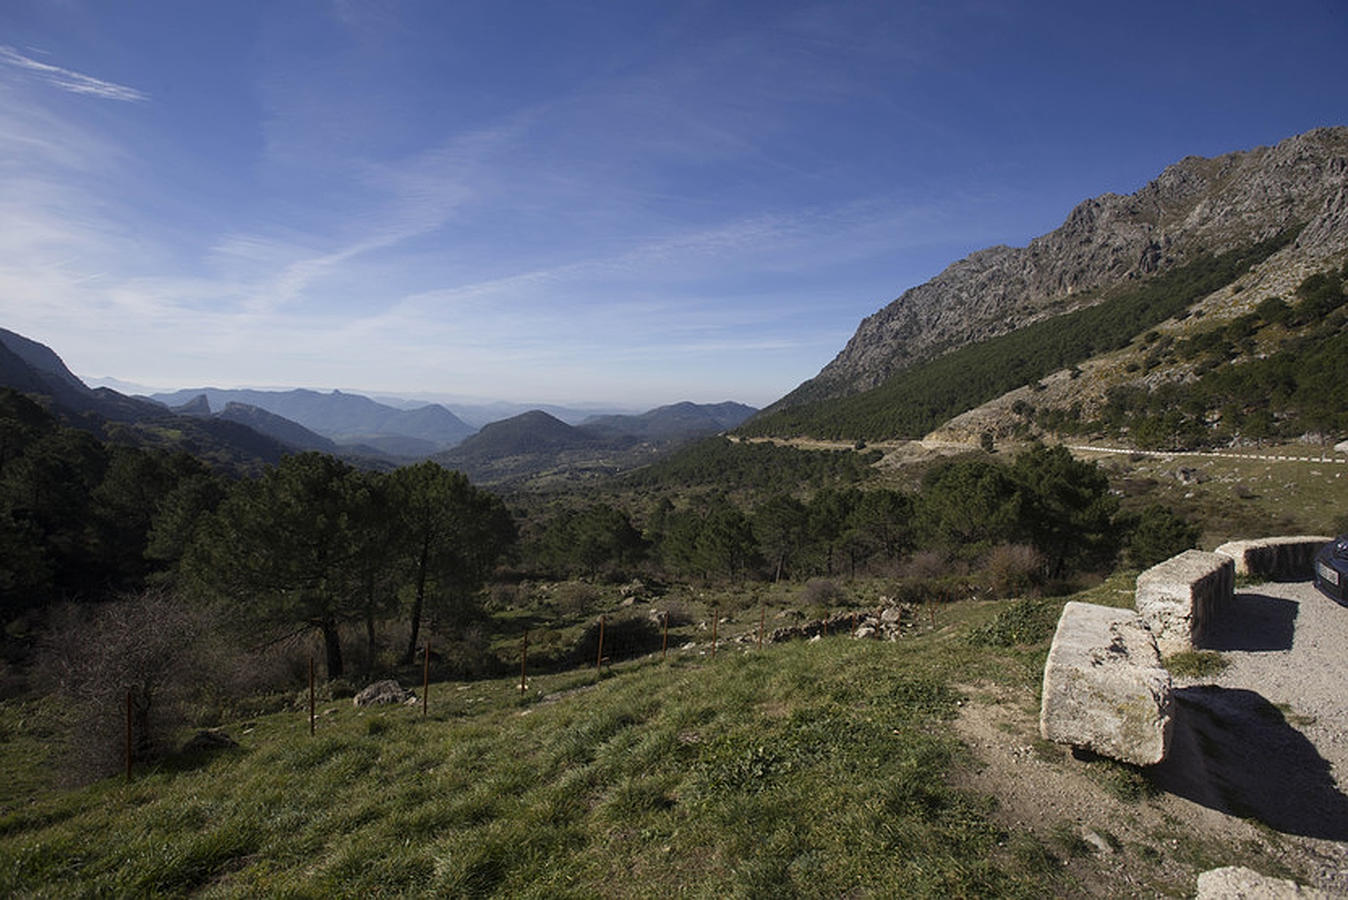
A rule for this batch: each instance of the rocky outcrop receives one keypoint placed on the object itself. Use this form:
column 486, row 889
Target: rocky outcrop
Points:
column 1277, row 558
column 885, row 624
column 1104, row 687
column 1195, row 205
column 382, row 692
column 1178, row 599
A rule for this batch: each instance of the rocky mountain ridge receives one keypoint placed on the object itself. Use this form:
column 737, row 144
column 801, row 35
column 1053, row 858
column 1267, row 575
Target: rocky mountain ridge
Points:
column 1198, row 205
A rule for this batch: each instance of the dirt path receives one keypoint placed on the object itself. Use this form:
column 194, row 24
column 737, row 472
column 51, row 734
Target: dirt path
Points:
column 1257, row 773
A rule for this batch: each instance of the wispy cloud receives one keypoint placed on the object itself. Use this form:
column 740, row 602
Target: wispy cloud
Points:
column 69, row 80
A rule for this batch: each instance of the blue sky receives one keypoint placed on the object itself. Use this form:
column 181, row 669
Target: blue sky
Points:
column 621, row 202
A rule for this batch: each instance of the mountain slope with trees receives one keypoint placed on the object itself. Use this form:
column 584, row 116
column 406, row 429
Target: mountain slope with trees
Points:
column 1196, row 209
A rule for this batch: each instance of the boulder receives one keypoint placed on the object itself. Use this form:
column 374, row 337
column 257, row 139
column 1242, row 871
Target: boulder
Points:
column 1239, row 883
column 1104, row 687
column 388, row 691
column 1276, row 557
column 1178, row 598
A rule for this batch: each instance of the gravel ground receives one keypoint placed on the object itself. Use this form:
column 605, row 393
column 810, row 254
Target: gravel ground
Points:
column 1258, row 760
column 1306, row 675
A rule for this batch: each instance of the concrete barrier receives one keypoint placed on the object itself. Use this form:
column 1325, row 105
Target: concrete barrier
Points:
column 1104, row 687
column 1278, row 557
column 1179, row 597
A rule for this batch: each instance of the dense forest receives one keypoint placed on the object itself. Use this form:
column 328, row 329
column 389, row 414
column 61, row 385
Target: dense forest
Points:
column 314, row 545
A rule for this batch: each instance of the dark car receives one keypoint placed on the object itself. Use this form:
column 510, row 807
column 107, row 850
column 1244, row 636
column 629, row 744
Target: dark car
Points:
column 1331, row 569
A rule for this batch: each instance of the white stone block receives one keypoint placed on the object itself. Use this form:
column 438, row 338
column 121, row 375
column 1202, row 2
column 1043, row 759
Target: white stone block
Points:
column 1178, row 598
column 1104, row 687
column 1276, row 557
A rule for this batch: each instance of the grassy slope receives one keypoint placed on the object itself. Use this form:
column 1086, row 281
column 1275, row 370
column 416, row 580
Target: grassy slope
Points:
column 802, row 770
column 816, row 769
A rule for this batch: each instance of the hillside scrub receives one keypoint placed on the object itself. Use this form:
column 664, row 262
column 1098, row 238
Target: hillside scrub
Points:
column 1272, row 374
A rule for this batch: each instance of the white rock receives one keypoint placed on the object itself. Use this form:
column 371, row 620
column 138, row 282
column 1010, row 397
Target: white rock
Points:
column 1276, row 557
column 1104, row 687
column 1240, row 883
column 1178, row 598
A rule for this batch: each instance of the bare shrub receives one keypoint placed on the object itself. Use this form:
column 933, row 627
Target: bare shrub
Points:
column 678, row 612
column 1012, row 569
column 927, row 564
column 466, row 653
column 95, row 657
column 576, row 597
column 625, row 637
column 821, row 592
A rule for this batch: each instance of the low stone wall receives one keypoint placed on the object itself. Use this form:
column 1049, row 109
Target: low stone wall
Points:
column 1179, row 597
column 1104, row 687
column 1278, row 557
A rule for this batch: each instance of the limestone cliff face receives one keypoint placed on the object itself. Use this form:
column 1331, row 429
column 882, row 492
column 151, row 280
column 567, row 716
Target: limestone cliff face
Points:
column 1195, row 205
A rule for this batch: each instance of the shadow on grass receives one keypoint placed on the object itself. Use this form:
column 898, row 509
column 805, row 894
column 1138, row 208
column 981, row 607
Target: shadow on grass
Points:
column 1233, row 751
column 1252, row 622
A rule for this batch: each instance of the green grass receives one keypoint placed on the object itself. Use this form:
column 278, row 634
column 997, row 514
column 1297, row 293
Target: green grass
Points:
column 1195, row 663
column 806, row 769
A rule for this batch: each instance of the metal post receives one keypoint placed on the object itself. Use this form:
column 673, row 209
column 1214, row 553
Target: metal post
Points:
column 524, row 662
column 311, row 694
column 599, row 656
column 715, row 619
column 664, row 636
column 426, row 680
column 128, row 735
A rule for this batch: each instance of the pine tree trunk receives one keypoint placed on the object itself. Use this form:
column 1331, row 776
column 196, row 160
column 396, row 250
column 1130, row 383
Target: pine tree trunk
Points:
column 332, row 647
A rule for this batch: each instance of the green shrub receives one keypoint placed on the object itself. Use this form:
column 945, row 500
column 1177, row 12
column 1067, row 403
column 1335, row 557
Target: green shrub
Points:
column 1023, row 622
column 1195, row 663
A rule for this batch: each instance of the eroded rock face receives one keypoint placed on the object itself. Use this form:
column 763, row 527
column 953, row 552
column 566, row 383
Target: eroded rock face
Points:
column 1194, row 205
column 1276, row 557
column 1104, row 687
column 1178, row 599
column 388, row 691
column 1236, row 882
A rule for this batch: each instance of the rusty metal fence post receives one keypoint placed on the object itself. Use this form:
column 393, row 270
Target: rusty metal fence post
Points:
column 311, row 695
column 524, row 662
column 128, row 736
column 599, row 655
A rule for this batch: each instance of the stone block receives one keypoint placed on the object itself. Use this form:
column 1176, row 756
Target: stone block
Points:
column 1276, row 557
column 1104, row 687
column 1178, row 598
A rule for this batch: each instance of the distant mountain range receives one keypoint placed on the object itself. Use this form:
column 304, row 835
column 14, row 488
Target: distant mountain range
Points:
column 537, row 445
column 347, row 419
column 33, row 368
column 244, row 428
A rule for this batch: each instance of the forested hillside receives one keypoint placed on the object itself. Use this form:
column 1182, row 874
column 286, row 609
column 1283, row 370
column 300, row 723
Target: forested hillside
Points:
column 919, row 398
